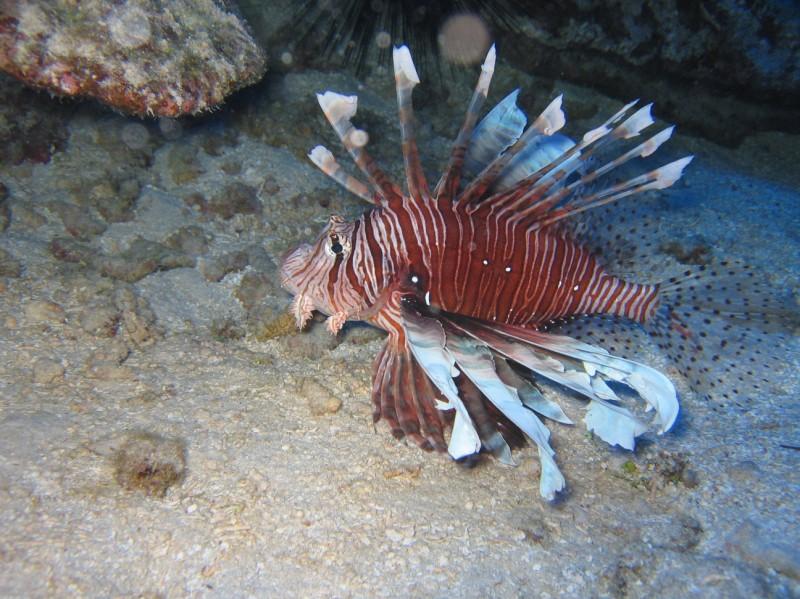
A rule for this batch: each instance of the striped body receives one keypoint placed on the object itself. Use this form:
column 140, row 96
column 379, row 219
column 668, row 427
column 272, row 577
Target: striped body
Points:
column 493, row 270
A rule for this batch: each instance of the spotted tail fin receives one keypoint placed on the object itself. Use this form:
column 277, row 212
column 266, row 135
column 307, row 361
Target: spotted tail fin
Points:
column 728, row 330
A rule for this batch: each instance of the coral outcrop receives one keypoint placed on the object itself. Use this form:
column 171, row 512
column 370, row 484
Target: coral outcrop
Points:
column 143, row 57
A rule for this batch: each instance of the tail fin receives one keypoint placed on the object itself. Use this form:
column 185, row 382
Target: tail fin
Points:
column 726, row 329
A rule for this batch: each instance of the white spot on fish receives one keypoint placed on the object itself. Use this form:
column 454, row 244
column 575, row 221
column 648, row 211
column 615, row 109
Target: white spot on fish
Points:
column 485, row 262
column 508, row 269
column 575, row 288
column 414, row 279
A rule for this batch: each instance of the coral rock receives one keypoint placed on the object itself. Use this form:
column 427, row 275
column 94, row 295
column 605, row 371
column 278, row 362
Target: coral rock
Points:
column 143, row 57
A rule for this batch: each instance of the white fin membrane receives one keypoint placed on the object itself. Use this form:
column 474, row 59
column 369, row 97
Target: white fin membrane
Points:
column 426, row 340
column 475, row 360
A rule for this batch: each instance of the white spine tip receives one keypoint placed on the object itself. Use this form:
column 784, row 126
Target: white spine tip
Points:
column 553, row 117
column 321, row 156
column 639, row 120
column 669, row 173
column 621, row 112
column 337, row 106
column 652, row 144
column 491, row 57
column 403, row 65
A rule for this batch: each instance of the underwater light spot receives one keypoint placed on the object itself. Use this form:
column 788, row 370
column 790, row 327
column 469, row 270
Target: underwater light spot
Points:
column 383, row 39
column 464, row 39
column 171, row 129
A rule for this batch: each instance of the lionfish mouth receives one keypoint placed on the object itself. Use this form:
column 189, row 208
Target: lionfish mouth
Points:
column 291, row 262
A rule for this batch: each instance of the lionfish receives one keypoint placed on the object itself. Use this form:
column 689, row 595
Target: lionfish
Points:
column 465, row 278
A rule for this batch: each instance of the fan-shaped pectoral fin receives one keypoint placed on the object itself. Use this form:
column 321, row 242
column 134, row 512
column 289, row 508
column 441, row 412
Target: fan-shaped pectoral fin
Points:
column 404, row 397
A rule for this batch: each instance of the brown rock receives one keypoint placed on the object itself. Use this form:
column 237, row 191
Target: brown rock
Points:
column 47, row 372
column 44, row 311
column 321, row 400
column 143, row 56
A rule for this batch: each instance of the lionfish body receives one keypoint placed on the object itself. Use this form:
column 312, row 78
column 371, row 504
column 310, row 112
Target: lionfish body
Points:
column 465, row 276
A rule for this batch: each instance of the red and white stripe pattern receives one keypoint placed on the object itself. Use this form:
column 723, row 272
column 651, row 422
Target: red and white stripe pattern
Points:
column 497, row 258
column 492, row 267
column 490, row 270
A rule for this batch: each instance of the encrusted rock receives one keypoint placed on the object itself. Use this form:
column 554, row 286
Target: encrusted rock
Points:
column 114, row 351
column 44, row 311
column 253, row 288
column 192, row 240
column 101, row 321
column 47, row 372
column 709, row 63
column 235, row 198
column 144, row 57
column 5, row 209
column 215, row 269
column 107, row 371
column 113, row 199
column 138, row 322
column 758, row 547
column 27, row 217
column 183, row 164
column 9, row 266
column 148, row 463
column 321, row 400
column 77, row 220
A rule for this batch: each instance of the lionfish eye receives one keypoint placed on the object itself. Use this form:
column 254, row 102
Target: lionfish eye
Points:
column 335, row 246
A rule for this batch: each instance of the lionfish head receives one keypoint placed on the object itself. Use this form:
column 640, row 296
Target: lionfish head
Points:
column 306, row 270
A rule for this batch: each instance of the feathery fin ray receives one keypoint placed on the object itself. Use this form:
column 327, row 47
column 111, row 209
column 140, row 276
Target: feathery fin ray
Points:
column 339, row 109
column 449, row 182
column 406, row 78
column 448, row 345
column 325, row 161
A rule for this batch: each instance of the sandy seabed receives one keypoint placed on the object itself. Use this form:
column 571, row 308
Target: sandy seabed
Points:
column 164, row 433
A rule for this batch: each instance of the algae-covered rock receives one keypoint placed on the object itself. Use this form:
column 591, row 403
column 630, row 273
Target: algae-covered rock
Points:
column 235, row 198
column 144, row 57
column 140, row 259
column 149, row 463
column 9, row 266
column 47, row 372
column 215, row 269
